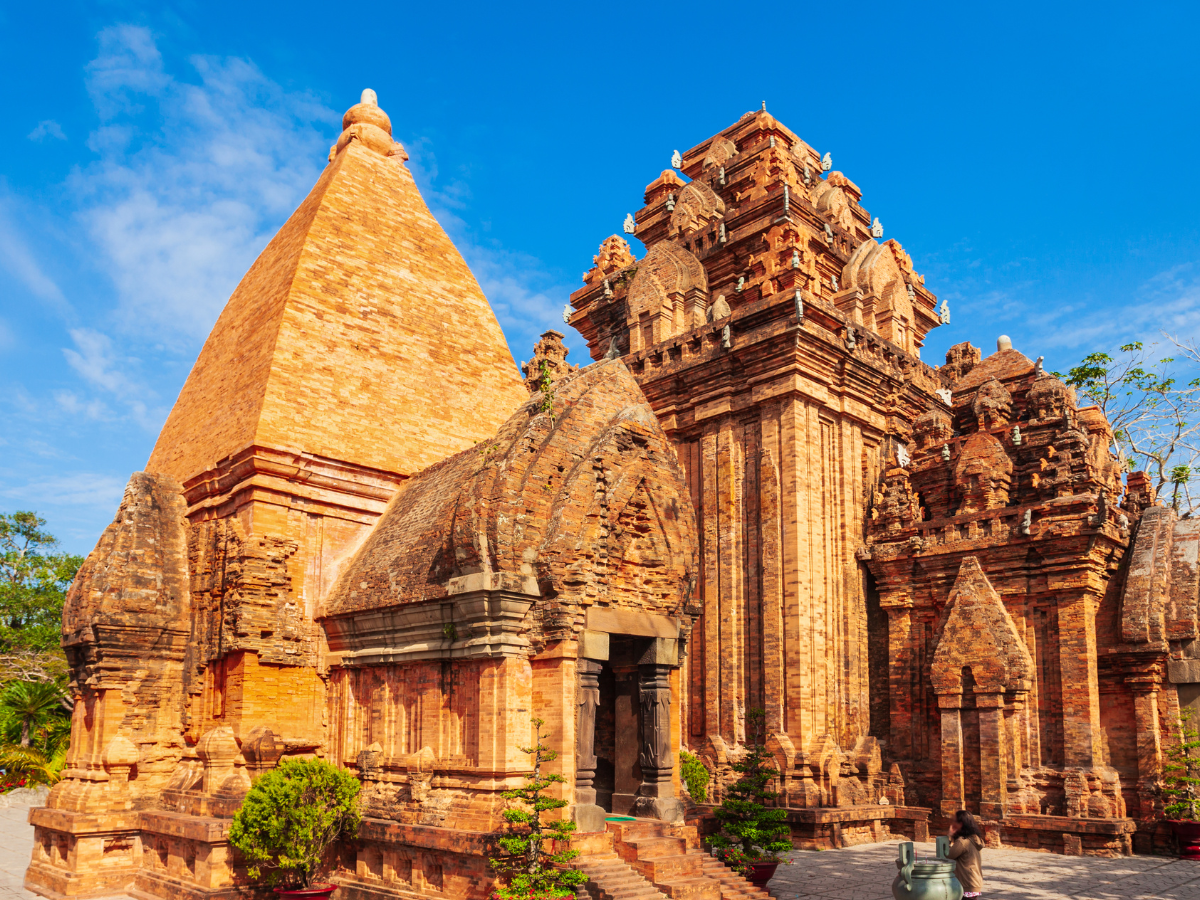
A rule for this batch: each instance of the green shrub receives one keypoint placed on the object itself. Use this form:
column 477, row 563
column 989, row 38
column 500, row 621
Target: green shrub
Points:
column 750, row 831
column 532, row 872
column 1181, row 773
column 291, row 817
column 695, row 776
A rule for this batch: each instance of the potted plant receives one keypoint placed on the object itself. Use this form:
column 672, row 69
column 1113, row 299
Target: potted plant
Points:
column 752, row 835
column 531, row 870
column 290, row 818
column 1181, row 787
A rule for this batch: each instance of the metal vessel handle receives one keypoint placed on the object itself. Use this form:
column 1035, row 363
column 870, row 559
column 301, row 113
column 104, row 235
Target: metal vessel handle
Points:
column 943, row 847
column 907, row 858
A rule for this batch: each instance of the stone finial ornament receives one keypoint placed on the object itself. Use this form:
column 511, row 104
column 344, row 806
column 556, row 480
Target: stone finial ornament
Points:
column 807, row 174
column 945, row 395
column 741, row 285
column 670, row 202
column 1004, row 342
column 368, row 96
column 877, row 228
column 799, row 307
column 826, row 162
column 772, row 142
column 851, row 338
column 787, row 199
column 676, row 160
column 721, row 236
column 902, row 456
column 608, row 291
column 567, row 313
column 943, row 311
column 795, row 259
column 629, row 225
column 833, row 282
column 945, row 453
column 726, row 338
column 1039, row 367
column 719, row 310
column 829, row 232
column 1016, row 436
column 1027, row 522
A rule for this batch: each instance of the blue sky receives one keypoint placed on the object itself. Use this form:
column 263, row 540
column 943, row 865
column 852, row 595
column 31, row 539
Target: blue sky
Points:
column 1037, row 161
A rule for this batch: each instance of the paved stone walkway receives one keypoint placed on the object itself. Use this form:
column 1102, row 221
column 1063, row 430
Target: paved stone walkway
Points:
column 856, row 873
column 866, row 873
column 16, row 844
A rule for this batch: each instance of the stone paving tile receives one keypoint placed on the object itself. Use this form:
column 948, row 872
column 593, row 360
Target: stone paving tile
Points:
column 16, row 845
column 866, row 873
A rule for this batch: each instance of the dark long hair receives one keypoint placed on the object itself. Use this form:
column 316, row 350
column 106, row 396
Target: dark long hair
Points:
column 967, row 826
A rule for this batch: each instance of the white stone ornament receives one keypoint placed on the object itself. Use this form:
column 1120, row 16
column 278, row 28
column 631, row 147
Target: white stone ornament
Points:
column 607, row 289
column 676, row 160
column 944, row 313
column 877, row 228
column 741, row 285
column 826, row 162
column 795, row 259
column 670, row 202
column 721, row 177
column 944, row 395
column 833, row 283
column 630, row 225
column 945, row 453
column 807, row 174
column 1016, row 436
column 567, row 313
column 902, row 457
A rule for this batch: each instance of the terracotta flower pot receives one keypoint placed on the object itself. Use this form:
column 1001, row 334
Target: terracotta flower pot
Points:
column 762, row 872
column 1187, row 832
column 316, row 892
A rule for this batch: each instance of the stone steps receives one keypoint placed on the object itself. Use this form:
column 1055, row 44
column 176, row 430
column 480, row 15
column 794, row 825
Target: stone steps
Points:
column 651, row 859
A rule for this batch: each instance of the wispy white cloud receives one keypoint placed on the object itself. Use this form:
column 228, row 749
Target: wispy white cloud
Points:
column 96, row 360
column 79, row 489
column 526, row 296
column 20, row 261
column 47, row 128
column 193, row 177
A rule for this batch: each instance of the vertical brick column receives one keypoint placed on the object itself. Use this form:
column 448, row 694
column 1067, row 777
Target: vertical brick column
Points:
column 1080, row 684
column 1149, row 742
column 993, row 755
column 900, row 654
column 952, row 753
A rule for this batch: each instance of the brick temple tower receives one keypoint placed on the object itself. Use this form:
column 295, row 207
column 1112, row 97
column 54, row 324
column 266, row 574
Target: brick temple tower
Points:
column 778, row 341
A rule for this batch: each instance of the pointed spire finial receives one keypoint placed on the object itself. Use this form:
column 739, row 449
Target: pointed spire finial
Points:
column 764, row 109
column 368, row 97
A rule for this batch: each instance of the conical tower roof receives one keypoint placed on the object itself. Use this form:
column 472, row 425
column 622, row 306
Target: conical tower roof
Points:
column 359, row 334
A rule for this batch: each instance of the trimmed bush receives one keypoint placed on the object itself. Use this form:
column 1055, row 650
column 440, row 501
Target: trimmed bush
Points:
column 290, row 818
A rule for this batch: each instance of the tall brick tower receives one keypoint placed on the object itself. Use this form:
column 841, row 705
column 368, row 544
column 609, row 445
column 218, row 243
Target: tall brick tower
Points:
column 358, row 350
column 778, row 342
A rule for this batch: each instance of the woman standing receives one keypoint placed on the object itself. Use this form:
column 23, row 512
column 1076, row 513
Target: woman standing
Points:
column 966, row 840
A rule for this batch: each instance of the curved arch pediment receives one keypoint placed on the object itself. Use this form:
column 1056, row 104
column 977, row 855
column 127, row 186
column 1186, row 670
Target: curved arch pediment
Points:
column 697, row 209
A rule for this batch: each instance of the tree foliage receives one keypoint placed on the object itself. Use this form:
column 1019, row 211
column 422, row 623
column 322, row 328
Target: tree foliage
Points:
column 290, row 818
column 35, row 731
column 694, row 775
column 1181, row 771
column 1154, row 411
column 533, row 872
column 34, row 578
column 750, row 830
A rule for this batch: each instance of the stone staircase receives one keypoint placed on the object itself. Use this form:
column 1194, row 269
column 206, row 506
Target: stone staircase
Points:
column 650, row 860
